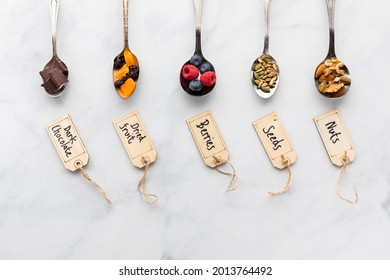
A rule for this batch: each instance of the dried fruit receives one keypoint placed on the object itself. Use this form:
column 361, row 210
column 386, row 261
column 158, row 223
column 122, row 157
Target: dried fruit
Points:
column 127, row 88
column 121, row 72
column 119, row 61
column 129, row 58
column 133, row 72
column 120, row 82
column 125, row 73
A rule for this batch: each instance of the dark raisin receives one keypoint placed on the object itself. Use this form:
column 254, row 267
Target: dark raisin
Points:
column 120, row 82
column 119, row 61
column 133, row 72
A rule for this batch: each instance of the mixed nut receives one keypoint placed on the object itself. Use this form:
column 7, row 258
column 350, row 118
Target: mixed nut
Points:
column 265, row 73
column 331, row 76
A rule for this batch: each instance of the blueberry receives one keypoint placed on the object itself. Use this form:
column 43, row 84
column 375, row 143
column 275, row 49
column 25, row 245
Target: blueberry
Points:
column 205, row 68
column 196, row 60
column 196, row 85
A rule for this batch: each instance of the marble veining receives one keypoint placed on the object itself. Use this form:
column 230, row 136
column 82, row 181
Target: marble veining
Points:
column 47, row 212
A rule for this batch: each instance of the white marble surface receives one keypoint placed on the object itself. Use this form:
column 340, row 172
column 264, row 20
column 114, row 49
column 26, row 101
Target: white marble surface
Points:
column 47, row 212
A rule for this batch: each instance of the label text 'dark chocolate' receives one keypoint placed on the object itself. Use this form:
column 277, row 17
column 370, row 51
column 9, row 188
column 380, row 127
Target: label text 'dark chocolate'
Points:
column 68, row 143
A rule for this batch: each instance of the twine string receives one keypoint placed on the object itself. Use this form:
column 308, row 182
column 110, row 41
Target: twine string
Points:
column 147, row 197
column 235, row 180
column 286, row 164
column 86, row 176
column 344, row 171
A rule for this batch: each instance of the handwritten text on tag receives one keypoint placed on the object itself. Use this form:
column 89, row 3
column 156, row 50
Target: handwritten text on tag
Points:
column 275, row 140
column 68, row 143
column 208, row 139
column 335, row 137
column 135, row 139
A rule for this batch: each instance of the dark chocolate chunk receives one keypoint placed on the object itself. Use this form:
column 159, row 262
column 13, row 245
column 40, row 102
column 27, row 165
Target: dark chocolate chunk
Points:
column 54, row 76
column 58, row 64
column 58, row 78
column 49, row 86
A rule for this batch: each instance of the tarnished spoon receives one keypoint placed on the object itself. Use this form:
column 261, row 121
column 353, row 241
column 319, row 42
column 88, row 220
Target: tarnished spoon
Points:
column 55, row 73
column 197, row 76
column 126, row 68
column 332, row 77
column 265, row 69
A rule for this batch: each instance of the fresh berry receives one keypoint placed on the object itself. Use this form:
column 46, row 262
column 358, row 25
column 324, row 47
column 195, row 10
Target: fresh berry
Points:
column 196, row 85
column 119, row 61
column 190, row 72
column 196, row 60
column 208, row 79
column 133, row 72
column 205, row 67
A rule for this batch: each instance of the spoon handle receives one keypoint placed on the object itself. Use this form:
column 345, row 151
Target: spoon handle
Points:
column 54, row 5
column 267, row 11
column 331, row 8
column 198, row 25
column 126, row 22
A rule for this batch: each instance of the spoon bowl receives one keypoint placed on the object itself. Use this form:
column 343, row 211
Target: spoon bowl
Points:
column 324, row 84
column 197, row 76
column 125, row 70
column 265, row 69
column 265, row 76
column 332, row 77
column 125, row 73
column 55, row 77
column 55, row 73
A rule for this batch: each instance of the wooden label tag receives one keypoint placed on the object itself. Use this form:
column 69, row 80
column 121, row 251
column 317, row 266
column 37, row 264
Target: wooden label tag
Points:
column 275, row 140
column 208, row 138
column 335, row 137
column 135, row 139
column 68, row 143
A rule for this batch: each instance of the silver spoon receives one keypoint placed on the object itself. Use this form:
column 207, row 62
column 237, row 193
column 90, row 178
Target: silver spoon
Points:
column 265, row 69
column 197, row 76
column 332, row 77
column 126, row 68
column 55, row 73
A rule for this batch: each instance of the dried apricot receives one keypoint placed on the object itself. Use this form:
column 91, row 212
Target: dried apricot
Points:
column 129, row 57
column 121, row 72
column 127, row 89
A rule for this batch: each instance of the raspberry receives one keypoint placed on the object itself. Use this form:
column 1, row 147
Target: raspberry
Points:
column 208, row 79
column 190, row 72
